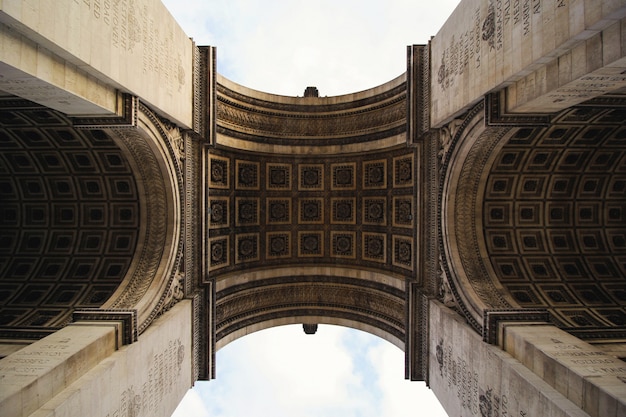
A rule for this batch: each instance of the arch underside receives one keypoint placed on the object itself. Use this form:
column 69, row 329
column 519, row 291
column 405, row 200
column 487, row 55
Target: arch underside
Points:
column 537, row 218
column 70, row 217
column 310, row 299
column 87, row 216
column 312, row 214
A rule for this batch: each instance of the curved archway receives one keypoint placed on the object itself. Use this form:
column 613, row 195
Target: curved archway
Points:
column 159, row 174
column 90, row 219
column 335, row 371
column 311, row 210
column 534, row 221
column 474, row 287
column 363, row 300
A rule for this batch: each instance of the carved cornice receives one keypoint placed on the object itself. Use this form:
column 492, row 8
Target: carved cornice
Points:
column 128, row 318
column 205, row 67
column 278, row 107
column 236, row 117
column 126, row 116
column 306, row 121
column 492, row 318
column 430, row 215
column 445, row 155
column 418, row 80
column 155, row 221
column 311, row 279
column 371, row 303
column 468, row 237
column 496, row 115
column 355, row 139
column 417, row 334
column 155, row 200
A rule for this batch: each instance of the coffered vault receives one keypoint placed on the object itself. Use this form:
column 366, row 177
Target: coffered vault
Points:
column 312, row 210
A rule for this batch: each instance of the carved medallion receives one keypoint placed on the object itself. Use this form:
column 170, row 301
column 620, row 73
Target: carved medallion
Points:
column 375, row 174
column 278, row 211
column 343, row 244
column 311, row 177
column 403, row 171
column 247, row 177
column 343, row 210
column 310, row 244
column 247, row 248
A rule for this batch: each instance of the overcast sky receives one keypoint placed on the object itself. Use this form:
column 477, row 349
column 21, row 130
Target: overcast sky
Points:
column 281, row 47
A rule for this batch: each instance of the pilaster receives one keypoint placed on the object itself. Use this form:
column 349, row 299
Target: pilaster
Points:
column 589, row 377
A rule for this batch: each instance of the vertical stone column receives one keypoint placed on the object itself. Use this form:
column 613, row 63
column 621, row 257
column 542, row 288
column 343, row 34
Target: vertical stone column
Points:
column 587, row 376
column 33, row 375
column 78, row 372
column 473, row 378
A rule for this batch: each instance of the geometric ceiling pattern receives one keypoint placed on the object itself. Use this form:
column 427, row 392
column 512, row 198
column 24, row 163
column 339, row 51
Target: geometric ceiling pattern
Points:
column 69, row 216
column 332, row 210
column 554, row 217
column 311, row 210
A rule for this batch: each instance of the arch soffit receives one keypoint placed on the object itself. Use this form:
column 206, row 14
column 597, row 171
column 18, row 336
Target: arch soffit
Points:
column 71, row 199
column 312, row 319
column 257, row 300
column 155, row 156
column 528, row 214
column 369, row 120
column 472, row 282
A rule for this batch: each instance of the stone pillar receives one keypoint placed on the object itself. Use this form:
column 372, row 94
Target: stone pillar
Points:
column 77, row 371
column 74, row 56
column 33, row 375
column 473, row 378
column 587, row 376
column 544, row 56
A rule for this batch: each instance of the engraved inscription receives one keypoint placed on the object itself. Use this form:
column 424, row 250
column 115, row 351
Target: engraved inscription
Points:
column 130, row 24
column 465, row 50
column 586, row 87
column 476, row 396
column 526, row 17
column 165, row 369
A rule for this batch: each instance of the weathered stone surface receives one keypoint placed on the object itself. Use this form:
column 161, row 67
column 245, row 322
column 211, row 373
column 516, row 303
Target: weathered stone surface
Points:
column 48, row 55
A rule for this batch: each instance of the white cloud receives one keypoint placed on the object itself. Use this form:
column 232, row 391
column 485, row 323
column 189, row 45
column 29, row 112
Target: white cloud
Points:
column 338, row 371
column 285, row 372
column 283, row 46
column 400, row 397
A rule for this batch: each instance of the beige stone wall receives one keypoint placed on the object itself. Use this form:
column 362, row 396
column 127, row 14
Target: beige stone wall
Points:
column 35, row 374
column 73, row 55
column 78, row 372
column 589, row 377
column 487, row 45
column 473, row 378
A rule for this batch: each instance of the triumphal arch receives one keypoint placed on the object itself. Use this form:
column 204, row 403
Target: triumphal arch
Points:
column 471, row 211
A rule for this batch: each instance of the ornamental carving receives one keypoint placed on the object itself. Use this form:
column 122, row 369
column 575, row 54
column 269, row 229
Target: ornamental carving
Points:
column 243, row 115
column 381, row 307
column 312, row 210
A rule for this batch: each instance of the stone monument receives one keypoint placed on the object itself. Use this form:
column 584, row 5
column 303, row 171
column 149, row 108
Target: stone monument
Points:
column 479, row 223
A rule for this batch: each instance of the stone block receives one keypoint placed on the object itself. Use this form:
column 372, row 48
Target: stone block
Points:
column 611, row 44
column 591, row 394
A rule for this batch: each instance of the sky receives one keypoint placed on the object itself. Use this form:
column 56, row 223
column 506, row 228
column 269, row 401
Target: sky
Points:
column 338, row 46
column 281, row 47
